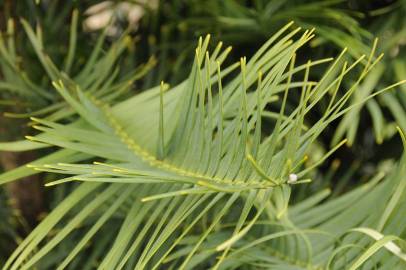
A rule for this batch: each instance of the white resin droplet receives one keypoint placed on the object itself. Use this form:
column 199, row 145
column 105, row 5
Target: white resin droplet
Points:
column 292, row 178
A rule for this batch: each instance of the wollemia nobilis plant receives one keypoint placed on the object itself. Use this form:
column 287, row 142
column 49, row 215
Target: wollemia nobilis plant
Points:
column 186, row 177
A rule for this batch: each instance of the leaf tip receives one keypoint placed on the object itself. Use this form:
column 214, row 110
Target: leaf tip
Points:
column 30, row 138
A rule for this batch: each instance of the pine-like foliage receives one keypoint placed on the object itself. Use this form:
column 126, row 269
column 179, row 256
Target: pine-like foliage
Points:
column 187, row 177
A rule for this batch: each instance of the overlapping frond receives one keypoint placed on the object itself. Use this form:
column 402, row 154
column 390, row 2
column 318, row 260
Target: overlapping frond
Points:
column 174, row 170
column 99, row 75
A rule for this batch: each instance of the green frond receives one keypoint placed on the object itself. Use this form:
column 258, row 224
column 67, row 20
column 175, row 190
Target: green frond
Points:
column 181, row 163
